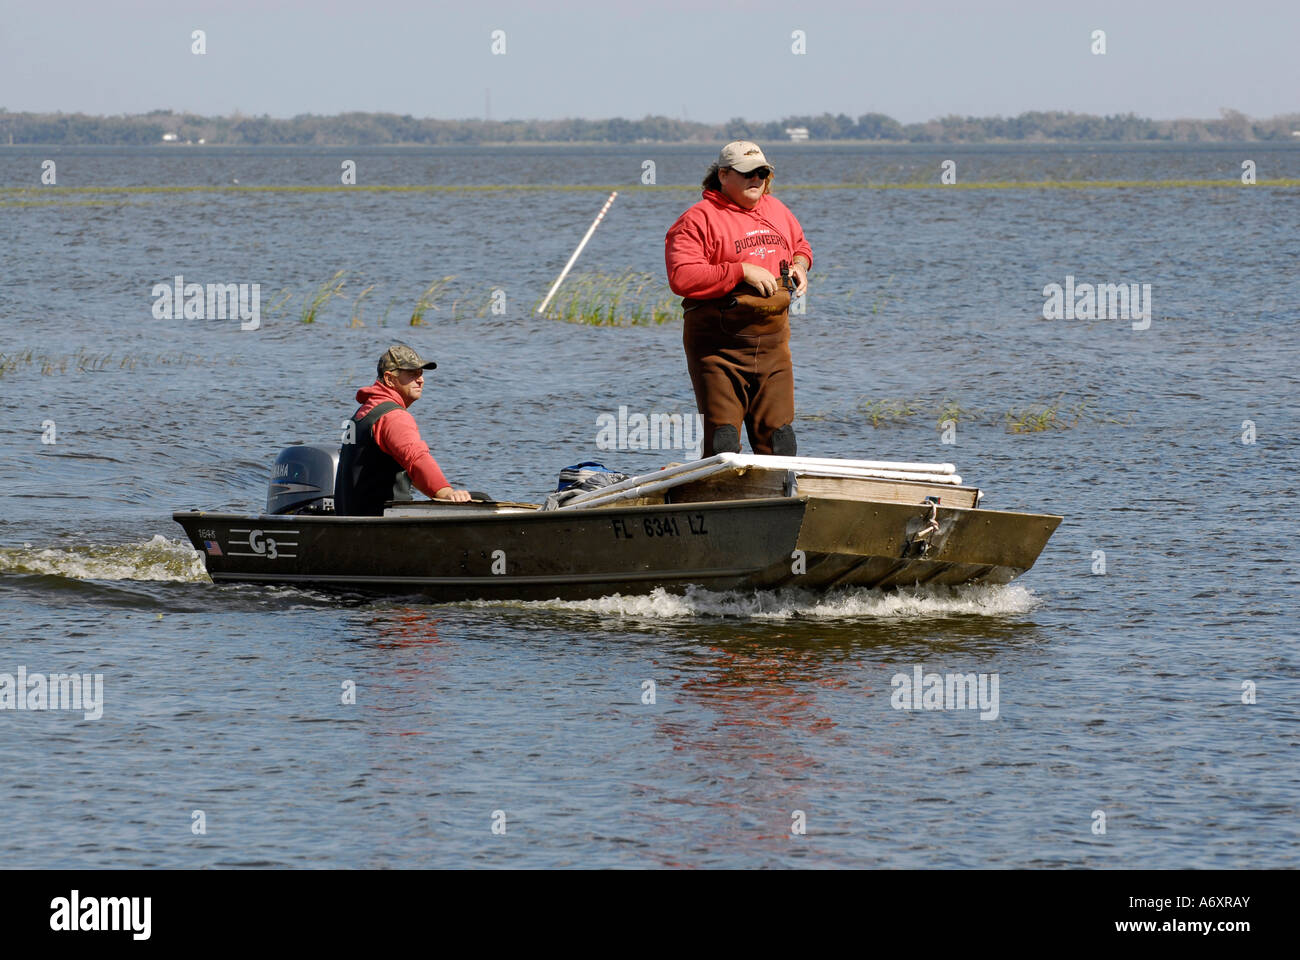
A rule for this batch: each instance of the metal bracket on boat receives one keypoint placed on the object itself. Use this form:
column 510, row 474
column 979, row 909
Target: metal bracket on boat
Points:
column 791, row 486
column 919, row 544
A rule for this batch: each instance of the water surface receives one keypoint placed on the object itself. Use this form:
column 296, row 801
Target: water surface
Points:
column 1119, row 693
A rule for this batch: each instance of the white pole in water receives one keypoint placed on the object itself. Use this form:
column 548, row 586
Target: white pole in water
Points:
column 565, row 272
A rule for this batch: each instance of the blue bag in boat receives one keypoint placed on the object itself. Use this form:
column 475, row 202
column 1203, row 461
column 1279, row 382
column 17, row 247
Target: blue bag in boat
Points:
column 579, row 478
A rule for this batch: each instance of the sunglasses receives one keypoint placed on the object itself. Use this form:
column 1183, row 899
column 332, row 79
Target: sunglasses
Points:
column 761, row 173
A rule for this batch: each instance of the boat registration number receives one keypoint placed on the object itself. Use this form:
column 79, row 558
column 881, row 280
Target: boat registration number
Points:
column 691, row 524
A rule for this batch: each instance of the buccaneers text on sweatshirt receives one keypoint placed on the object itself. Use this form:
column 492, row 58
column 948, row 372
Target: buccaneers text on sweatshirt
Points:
column 706, row 247
column 397, row 435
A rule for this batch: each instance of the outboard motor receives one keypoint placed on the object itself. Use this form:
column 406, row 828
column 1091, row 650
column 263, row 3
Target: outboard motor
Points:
column 302, row 480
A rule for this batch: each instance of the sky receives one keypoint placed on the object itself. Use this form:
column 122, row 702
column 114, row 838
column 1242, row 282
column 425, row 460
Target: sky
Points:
column 708, row 62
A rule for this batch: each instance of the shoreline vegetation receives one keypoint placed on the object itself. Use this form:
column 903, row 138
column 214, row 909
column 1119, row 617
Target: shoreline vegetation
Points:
column 100, row 195
column 164, row 127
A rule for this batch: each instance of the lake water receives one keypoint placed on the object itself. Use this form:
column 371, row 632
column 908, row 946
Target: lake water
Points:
column 1120, row 693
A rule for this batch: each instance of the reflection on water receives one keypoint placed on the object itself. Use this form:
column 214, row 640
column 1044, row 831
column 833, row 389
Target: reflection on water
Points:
column 398, row 627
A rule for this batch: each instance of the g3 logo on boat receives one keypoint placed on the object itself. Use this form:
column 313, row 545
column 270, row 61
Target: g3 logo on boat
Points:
column 259, row 543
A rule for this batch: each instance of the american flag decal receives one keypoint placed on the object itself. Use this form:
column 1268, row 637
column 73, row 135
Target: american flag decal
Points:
column 213, row 548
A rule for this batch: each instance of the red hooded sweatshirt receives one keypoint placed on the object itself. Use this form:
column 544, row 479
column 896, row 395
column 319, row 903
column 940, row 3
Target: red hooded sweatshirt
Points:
column 705, row 248
column 398, row 436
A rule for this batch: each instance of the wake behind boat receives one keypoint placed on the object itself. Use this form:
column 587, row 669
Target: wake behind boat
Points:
column 728, row 522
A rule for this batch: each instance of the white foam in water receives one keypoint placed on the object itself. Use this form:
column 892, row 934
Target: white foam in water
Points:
column 156, row 559
column 989, row 600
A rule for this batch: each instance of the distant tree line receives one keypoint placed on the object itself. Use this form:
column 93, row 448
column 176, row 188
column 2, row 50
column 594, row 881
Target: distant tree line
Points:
column 379, row 129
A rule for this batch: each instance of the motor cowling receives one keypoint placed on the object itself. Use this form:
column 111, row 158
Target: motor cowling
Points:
column 302, row 479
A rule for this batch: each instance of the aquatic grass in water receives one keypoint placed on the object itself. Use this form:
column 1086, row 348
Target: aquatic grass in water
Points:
column 625, row 300
column 1037, row 418
column 1034, row 418
column 1053, row 416
column 317, row 300
column 884, row 298
column 356, row 320
column 92, row 362
column 887, row 411
column 1033, row 421
column 429, row 300
column 85, row 361
column 327, row 291
column 9, row 362
column 277, row 302
column 951, row 411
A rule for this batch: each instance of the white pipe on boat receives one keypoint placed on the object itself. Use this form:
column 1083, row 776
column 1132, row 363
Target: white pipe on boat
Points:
column 596, row 498
column 647, row 484
column 948, row 479
column 812, row 466
column 796, row 463
column 874, row 469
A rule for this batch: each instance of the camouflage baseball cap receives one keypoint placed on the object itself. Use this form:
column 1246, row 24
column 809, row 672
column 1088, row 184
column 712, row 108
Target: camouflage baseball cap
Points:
column 401, row 357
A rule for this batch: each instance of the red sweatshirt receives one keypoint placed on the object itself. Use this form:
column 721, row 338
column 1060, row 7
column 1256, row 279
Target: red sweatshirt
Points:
column 398, row 436
column 705, row 248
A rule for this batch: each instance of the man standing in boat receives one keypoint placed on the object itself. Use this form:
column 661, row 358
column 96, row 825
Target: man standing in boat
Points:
column 735, row 258
column 386, row 455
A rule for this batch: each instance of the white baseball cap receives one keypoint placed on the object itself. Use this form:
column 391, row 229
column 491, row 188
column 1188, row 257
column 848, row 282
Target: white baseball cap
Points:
column 742, row 156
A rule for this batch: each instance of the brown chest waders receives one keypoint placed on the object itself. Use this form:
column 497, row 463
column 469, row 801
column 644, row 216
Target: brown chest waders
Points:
column 738, row 355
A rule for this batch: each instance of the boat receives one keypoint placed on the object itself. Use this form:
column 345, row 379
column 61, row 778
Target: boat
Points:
column 723, row 523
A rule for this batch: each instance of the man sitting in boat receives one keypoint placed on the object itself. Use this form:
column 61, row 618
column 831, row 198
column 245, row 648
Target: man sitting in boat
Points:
column 383, row 455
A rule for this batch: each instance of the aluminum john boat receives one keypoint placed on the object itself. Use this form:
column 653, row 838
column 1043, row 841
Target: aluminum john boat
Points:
column 728, row 522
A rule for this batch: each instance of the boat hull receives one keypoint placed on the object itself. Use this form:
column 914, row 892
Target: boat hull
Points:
column 809, row 542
